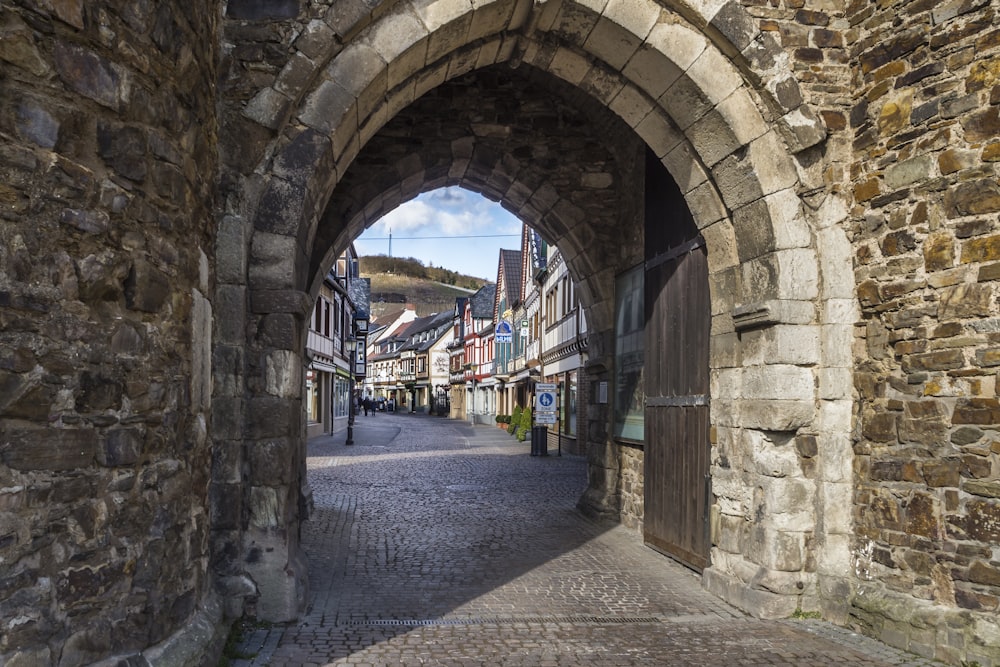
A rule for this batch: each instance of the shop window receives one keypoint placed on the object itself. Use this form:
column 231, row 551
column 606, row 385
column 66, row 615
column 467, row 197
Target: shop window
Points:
column 629, row 396
column 313, row 396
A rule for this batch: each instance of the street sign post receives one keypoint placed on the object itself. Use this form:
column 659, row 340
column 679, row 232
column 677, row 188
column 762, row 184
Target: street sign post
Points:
column 545, row 413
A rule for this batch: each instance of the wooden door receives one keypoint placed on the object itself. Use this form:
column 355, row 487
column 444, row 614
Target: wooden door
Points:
column 678, row 321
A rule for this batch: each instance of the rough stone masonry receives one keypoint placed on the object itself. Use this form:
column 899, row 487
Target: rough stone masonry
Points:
column 175, row 179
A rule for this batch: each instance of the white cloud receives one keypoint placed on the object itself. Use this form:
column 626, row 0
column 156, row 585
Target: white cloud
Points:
column 451, row 196
column 409, row 217
column 446, row 212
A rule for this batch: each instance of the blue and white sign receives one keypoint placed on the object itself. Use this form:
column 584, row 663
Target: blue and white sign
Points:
column 545, row 397
column 504, row 332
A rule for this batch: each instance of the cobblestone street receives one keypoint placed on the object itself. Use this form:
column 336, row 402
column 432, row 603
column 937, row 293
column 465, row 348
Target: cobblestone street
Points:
column 437, row 543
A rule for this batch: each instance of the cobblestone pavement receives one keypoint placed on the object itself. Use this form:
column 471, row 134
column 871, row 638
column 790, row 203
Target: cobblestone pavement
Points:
column 437, row 543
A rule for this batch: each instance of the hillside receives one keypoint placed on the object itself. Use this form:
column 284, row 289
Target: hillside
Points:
column 396, row 281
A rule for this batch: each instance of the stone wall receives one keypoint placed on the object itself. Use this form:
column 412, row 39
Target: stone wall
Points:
column 107, row 176
column 926, row 138
column 631, row 485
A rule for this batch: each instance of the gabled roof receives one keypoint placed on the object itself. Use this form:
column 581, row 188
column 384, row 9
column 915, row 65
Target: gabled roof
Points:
column 482, row 302
column 391, row 324
column 389, row 317
column 509, row 274
column 430, row 323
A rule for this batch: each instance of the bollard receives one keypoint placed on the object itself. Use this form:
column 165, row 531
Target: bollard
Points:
column 539, row 441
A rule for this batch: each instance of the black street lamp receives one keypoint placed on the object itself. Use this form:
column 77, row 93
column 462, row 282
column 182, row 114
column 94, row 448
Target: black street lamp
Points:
column 351, row 346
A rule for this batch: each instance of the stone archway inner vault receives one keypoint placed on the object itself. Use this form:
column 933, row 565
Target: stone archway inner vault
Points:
column 549, row 108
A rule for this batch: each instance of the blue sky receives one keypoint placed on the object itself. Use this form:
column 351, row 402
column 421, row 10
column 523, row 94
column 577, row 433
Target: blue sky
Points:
column 449, row 216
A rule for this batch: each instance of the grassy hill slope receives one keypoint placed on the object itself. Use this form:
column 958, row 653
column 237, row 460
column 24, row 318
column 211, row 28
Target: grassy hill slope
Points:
column 398, row 281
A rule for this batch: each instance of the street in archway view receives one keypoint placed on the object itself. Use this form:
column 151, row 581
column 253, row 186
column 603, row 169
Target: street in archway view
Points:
column 434, row 542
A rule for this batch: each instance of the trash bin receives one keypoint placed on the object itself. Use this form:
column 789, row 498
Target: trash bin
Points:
column 539, row 441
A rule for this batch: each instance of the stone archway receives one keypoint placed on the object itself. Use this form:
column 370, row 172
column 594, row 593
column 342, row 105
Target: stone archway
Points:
column 726, row 121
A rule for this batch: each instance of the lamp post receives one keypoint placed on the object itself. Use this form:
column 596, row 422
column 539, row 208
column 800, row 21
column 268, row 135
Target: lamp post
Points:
column 351, row 346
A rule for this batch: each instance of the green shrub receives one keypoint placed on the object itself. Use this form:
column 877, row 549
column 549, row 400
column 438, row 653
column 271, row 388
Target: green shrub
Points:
column 515, row 420
column 524, row 427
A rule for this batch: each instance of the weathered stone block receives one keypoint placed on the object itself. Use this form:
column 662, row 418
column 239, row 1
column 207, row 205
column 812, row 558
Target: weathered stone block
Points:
column 273, row 262
column 982, row 126
column 984, row 573
column 781, row 344
column 939, row 252
column 37, row 125
column 272, row 302
column 146, row 287
column 986, row 249
column 922, row 515
column 984, row 489
column 230, row 309
column 972, row 198
column 124, row 149
column 976, row 411
column 268, row 107
column 773, row 415
column 283, row 373
column 227, row 417
column 201, row 353
column 120, row 447
column 770, row 456
column 784, row 503
column 270, row 417
column 939, row 360
column 280, row 210
column 92, row 75
column 983, row 521
column 270, row 461
column 316, row 38
column 225, row 503
column 924, row 422
column 942, row 473
column 965, row 300
column 266, row 507
column 259, row 10
column 880, row 426
column 48, row 449
column 231, row 247
column 778, row 381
